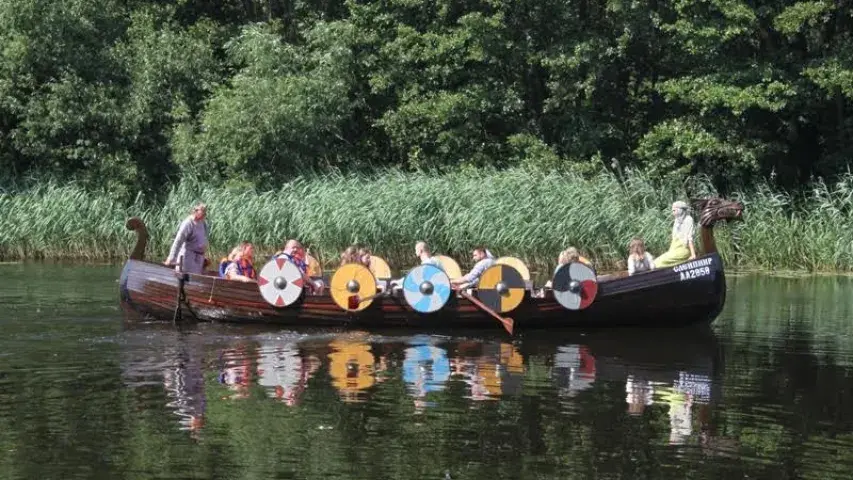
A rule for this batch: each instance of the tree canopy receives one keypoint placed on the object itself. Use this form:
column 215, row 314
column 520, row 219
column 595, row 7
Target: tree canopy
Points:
column 133, row 95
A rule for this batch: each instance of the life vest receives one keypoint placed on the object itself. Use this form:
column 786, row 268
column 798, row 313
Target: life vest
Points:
column 295, row 260
column 244, row 268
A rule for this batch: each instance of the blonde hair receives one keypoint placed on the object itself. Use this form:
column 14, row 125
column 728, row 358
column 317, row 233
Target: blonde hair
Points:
column 568, row 255
column 361, row 254
column 238, row 250
column 198, row 207
column 349, row 255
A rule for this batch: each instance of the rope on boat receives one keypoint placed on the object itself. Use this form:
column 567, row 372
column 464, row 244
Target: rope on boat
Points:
column 212, row 286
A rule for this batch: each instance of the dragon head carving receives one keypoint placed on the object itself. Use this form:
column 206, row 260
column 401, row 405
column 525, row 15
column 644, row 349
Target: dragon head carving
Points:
column 715, row 209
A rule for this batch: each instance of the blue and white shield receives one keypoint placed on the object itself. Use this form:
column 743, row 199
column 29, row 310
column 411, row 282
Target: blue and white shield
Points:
column 426, row 288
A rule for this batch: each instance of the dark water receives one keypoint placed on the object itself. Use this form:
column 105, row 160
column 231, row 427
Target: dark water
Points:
column 767, row 392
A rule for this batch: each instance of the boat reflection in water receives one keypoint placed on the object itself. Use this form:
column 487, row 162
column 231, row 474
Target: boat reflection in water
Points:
column 426, row 369
column 283, row 371
column 173, row 361
column 675, row 369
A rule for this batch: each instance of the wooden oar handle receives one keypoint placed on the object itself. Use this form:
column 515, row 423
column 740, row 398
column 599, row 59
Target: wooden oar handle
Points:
column 506, row 321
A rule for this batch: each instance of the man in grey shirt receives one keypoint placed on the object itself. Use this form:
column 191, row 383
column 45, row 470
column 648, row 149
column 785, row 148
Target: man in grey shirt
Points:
column 190, row 244
column 472, row 278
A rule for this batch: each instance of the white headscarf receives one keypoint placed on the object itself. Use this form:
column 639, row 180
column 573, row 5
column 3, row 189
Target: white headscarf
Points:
column 683, row 226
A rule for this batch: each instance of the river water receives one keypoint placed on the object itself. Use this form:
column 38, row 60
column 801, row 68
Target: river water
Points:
column 765, row 392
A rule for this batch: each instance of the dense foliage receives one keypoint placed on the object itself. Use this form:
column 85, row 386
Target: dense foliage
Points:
column 134, row 94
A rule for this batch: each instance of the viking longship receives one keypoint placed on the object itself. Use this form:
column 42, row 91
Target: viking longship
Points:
column 359, row 297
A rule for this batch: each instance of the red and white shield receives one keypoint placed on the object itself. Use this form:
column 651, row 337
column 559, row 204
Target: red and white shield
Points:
column 575, row 286
column 280, row 282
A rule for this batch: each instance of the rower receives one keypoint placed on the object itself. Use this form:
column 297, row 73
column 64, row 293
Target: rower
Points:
column 483, row 261
column 295, row 253
column 422, row 251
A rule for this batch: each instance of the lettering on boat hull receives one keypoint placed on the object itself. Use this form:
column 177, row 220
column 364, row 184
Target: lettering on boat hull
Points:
column 695, row 269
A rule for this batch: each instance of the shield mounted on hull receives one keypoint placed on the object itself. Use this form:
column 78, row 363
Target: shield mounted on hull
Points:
column 450, row 266
column 517, row 264
column 501, row 288
column 353, row 287
column 426, row 288
column 280, row 282
column 575, row 286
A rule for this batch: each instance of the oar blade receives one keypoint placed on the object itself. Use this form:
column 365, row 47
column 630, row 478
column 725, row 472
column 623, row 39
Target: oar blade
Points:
column 508, row 324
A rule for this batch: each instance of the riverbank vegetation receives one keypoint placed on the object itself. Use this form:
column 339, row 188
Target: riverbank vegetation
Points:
column 384, row 121
column 523, row 212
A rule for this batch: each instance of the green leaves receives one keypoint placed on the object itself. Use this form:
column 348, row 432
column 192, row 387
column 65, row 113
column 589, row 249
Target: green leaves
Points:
column 802, row 15
column 713, row 92
column 677, row 148
column 832, row 77
column 280, row 114
column 131, row 96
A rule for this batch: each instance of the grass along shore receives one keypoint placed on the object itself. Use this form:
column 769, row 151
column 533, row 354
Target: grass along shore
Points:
column 525, row 213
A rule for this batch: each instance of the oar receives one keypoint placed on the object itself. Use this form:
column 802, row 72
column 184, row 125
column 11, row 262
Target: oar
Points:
column 506, row 321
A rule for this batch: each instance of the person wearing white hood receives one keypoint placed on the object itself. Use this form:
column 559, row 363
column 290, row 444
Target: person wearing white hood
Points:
column 681, row 249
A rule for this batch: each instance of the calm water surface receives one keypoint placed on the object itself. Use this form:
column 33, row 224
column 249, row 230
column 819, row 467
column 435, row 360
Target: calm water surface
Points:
column 766, row 392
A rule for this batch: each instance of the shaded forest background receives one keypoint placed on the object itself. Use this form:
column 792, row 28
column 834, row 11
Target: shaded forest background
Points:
column 130, row 96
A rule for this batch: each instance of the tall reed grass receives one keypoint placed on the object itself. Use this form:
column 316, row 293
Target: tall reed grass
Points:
column 525, row 213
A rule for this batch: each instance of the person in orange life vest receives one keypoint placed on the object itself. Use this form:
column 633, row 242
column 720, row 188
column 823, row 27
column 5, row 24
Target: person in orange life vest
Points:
column 223, row 264
column 295, row 253
column 241, row 268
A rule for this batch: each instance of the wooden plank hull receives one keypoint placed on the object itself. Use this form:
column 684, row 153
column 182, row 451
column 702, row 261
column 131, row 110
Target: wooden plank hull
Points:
column 690, row 293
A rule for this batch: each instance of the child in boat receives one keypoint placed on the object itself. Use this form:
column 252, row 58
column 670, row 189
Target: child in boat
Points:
column 240, row 268
column 639, row 260
column 223, row 264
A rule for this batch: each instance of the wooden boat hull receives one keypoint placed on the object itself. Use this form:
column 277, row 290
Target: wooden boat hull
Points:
column 690, row 293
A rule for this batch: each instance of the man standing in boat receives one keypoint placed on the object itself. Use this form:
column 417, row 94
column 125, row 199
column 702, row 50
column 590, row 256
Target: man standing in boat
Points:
column 190, row 244
column 483, row 261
